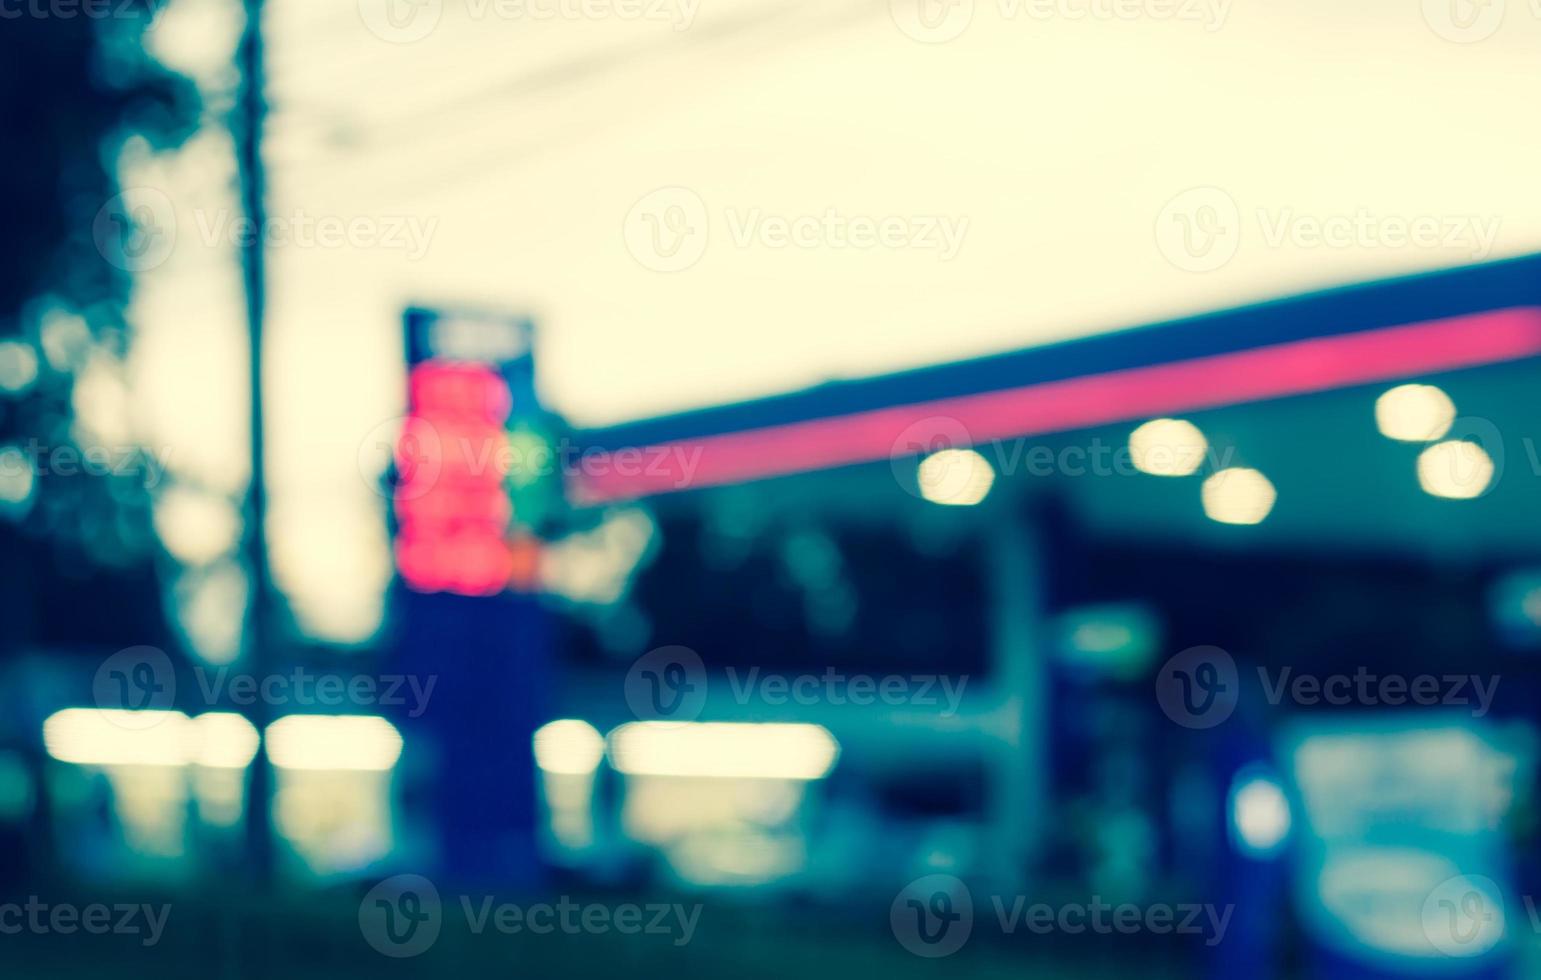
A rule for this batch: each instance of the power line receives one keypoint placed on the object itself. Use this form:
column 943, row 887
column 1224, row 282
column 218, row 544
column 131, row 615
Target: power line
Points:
column 528, row 86
column 590, row 65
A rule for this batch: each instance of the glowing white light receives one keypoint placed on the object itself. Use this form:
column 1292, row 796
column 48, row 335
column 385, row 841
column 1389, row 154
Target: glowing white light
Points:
column 1414, row 413
column 100, row 399
column 66, row 339
column 15, row 476
column 1456, row 469
column 18, row 365
column 196, row 527
column 1168, row 447
column 195, row 38
column 113, row 737
column 569, row 747
column 1260, row 814
column 333, row 742
column 209, row 604
column 956, row 477
column 334, row 560
column 723, row 750
column 223, row 740
column 1238, row 496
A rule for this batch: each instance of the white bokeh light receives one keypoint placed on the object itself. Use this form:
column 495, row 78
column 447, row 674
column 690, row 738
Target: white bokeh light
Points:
column 1455, row 470
column 1414, row 413
column 1260, row 814
column 1168, row 447
column 1238, row 496
column 955, row 478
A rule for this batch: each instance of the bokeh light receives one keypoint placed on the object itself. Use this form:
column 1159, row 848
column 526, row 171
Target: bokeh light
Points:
column 1168, row 447
column 1238, row 495
column 1414, row 413
column 956, row 478
column 1455, row 470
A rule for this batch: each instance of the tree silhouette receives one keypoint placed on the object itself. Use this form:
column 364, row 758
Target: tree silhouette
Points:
column 77, row 83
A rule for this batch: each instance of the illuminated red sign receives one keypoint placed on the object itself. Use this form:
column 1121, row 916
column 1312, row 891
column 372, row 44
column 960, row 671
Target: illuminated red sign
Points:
column 453, row 513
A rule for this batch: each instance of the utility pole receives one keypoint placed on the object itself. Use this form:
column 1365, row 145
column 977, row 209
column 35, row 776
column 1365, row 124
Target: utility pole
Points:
column 247, row 124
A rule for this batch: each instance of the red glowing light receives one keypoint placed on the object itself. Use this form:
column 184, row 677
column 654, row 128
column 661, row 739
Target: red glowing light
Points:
column 451, row 390
column 453, row 511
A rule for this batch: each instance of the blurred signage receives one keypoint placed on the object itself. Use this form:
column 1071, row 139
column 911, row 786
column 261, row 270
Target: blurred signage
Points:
column 476, row 482
column 467, row 451
column 486, row 340
column 1401, row 860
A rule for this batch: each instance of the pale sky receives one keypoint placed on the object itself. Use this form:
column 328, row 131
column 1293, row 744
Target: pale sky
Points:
column 1028, row 179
